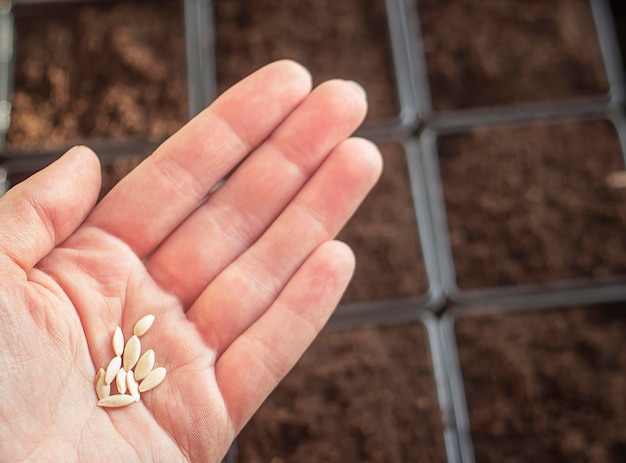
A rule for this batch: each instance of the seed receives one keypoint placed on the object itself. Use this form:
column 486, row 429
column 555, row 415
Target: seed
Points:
column 155, row 378
column 117, row 400
column 118, row 341
column 133, row 386
column 99, row 375
column 120, row 381
column 131, row 352
column 102, row 389
column 143, row 325
column 144, row 365
column 114, row 366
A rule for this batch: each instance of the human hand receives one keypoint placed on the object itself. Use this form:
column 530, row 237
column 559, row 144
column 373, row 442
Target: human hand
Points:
column 240, row 283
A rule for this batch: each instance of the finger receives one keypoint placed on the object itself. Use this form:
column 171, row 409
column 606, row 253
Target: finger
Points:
column 236, row 215
column 273, row 344
column 247, row 287
column 46, row 208
column 149, row 203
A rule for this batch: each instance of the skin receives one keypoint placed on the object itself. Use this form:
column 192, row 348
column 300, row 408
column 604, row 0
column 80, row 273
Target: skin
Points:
column 240, row 283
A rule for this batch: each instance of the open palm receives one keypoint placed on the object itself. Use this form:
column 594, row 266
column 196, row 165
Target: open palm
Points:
column 240, row 283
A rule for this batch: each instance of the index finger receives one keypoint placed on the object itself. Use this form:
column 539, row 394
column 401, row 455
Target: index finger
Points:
column 149, row 203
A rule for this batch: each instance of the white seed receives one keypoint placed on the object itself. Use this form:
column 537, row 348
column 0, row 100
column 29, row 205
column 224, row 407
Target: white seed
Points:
column 118, row 341
column 117, row 400
column 155, row 378
column 120, row 381
column 99, row 375
column 114, row 366
column 131, row 352
column 144, row 365
column 133, row 386
column 102, row 389
column 143, row 325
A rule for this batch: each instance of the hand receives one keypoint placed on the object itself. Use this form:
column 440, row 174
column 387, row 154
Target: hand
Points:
column 240, row 283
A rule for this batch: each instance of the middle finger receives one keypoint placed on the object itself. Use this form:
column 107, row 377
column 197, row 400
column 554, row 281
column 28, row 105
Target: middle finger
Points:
column 234, row 216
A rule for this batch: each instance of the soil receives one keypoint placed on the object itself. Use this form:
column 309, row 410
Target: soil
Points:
column 546, row 386
column 531, row 204
column 497, row 52
column 358, row 396
column 383, row 234
column 346, row 39
column 97, row 70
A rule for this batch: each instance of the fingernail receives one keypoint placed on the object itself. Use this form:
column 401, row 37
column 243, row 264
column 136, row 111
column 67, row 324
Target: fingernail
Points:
column 360, row 87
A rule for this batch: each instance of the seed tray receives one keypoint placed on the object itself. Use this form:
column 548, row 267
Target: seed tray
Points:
column 523, row 60
column 350, row 39
column 414, row 107
column 548, row 384
column 393, row 223
column 119, row 101
column 542, row 218
column 391, row 417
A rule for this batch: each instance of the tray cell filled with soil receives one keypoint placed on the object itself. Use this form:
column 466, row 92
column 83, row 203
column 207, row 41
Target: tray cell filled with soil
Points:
column 97, row 70
column 355, row 396
column 385, row 238
column 510, row 52
column 546, row 385
column 532, row 205
column 346, row 39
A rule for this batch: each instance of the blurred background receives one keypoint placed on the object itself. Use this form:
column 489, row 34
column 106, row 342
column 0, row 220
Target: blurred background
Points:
column 486, row 320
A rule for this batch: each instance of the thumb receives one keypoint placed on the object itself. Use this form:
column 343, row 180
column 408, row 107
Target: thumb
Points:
column 41, row 212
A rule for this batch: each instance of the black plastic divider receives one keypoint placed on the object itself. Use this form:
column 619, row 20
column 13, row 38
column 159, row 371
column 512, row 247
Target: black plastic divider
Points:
column 6, row 67
column 405, row 61
column 200, row 43
column 433, row 299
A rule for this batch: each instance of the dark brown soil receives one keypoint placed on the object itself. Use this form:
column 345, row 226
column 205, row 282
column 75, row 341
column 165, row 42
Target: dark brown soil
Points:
column 346, row 39
column 101, row 70
column 531, row 204
column 498, row 52
column 360, row 396
column 383, row 234
column 546, row 386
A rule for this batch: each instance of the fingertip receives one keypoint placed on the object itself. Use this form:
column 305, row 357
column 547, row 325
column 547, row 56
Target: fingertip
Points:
column 366, row 155
column 294, row 71
column 340, row 259
column 371, row 153
column 85, row 162
column 344, row 97
column 359, row 87
column 292, row 78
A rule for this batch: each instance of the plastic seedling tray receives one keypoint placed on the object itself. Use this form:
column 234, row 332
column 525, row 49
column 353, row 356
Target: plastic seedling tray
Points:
column 541, row 59
column 359, row 395
column 6, row 64
column 526, row 211
column 539, row 385
column 392, row 239
column 119, row 78
column 347, row 39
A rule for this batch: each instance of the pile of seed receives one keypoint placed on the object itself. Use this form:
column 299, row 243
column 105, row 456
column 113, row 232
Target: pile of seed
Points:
column 130, row 372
